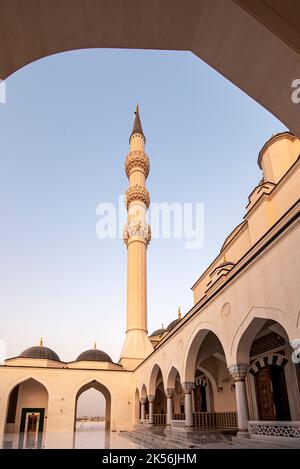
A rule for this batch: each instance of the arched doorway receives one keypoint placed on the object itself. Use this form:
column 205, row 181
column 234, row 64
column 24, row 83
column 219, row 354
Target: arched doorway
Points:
column 92, row 416
column 25, row 424
column 273, row 388
column 271, row 392
column 157, row 397
column 212, row 402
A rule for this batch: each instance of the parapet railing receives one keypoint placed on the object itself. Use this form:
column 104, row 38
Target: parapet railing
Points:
column 209, row 421
column 280, row 429
column 216, row 420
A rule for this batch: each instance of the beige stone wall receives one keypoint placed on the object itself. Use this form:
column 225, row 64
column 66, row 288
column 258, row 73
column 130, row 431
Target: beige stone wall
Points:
column 281, row 165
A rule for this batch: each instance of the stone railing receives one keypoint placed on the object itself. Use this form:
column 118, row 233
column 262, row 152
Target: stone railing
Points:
column 177, row 424
column 159, row 419
column 261, row 428
column 216, row 420
column 179, row 417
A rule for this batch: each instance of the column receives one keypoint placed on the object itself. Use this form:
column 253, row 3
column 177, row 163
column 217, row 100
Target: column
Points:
column 188, row 403
column 169, row 393
column 143, row 402
column 151, row 400
column 239, row 372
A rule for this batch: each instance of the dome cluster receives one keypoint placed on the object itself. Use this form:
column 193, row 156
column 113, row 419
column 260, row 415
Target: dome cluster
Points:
column 162, row 330
column 42, row 352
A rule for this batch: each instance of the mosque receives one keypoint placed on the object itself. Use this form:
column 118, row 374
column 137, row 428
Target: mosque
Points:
column 229, row 364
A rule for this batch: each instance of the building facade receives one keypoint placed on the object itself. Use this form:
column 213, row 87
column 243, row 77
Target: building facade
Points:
column 229, row 364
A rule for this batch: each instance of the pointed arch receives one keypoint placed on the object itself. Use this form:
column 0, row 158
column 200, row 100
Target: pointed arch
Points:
column 95, row 384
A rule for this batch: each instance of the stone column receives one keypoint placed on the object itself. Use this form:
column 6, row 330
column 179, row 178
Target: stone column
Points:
column 239, row 372
column 169, row 393
column 188, row 403
column 151, row 400
column 143, row 402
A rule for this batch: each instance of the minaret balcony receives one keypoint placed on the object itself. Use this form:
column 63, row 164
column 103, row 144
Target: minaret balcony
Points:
column 137, row 159
column 137, row 193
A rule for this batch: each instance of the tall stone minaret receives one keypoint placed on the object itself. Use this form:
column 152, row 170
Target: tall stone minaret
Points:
column 137, row 236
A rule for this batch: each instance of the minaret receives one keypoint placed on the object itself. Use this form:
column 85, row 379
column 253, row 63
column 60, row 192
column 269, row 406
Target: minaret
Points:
column 137, row 236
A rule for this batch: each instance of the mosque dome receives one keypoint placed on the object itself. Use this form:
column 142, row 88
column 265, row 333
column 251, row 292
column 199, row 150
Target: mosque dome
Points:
column 40, row 351
column 94, row 355
column 160, row 331
column 174, row 322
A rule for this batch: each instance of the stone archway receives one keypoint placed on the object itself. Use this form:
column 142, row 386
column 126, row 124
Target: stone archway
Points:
column 26, row 414
column 217, row 32
column 94, row 384
column 157, row 397
column 273, row 388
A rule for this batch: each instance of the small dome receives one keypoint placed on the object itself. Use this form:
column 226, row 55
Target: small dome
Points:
column 40, row 352
column 94, row 355
column 173, row 324
column 158, row 332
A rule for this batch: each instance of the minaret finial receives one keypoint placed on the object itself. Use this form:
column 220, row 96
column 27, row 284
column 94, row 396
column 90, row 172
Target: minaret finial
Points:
column 137, row 125
column 95, row 345
column 41, row 342
column 179, row 313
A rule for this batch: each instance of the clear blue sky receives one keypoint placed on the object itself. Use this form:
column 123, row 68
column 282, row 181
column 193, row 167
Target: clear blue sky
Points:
column 64, row 138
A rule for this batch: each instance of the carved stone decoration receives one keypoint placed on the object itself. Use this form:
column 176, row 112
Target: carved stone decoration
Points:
column 143, row 400
column 226, row 310
column 138, row 229
column 239, row 371
column 188, row 386
column 137, row 192
column 169, row 392
column 151, row 398
column 137, row 160
column 266, row 343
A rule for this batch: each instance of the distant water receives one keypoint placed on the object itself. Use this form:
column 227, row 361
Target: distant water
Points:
column 92, row 435
column 88, row 435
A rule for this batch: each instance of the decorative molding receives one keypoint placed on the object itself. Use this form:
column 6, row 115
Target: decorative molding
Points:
column 201, row 381
column 137, row 160
column 188, row 386
column 143, row 400
column 277, row 429
column 262, row 362
column 137, row 229
column 137, row 192
column 239, row 371
column 169, row 392
column 265, row 343
column 151, row 398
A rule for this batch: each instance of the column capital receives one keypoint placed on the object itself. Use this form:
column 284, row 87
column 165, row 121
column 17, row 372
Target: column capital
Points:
column 169, row 392
column 151, row 398
column 137, row 229
column 143, row 400
column 188, row 386
column 239, row 371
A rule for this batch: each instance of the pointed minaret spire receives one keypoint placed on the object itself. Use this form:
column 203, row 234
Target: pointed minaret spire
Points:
column 137, row 125
column 137, row 235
